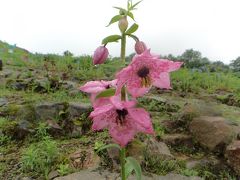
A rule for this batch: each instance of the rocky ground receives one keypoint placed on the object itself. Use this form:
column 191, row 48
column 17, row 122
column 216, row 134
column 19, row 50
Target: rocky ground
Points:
column 45, row 132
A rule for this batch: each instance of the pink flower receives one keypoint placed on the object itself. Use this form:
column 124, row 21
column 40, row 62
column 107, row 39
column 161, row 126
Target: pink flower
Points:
column 122, row 119
column 96, row 87
column 144, row 71
column 140, row 47
column 100, row 55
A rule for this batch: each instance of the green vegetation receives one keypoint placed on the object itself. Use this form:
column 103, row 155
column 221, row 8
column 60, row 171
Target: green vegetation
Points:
column 32, row 79
column 40, row 157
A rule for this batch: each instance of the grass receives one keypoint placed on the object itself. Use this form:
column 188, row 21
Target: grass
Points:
column 187, row 81
column 42, row 154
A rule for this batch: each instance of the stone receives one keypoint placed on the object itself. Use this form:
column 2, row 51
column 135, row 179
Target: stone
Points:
column 177, row 139
column 233, row 156
column 48, row 111
column 53, row 128
column 22, row 129
column 53, row 174
column 69, row 85
column 3, row 102
column 160, row 150
column 5, row 73
column 204, row 162
column 105, row 175
column 211, row 132
column 77, row 109
column 84, row 159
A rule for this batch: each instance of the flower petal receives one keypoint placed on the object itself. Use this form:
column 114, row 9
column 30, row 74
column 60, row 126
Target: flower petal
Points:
column 99, row 122
column 122, row 78
column 163, row 81
column 142, row 120
column 101, row 109
column 93, row 87
column 122, row 135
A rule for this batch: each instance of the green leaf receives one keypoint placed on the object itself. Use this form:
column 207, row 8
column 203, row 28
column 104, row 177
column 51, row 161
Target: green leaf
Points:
column 112, row 38
column 130, row 15
column 135, row 4
column 132, row 29
column 128, row 168
column 115, row 19
column 136, row 167
column 121, row 9
column 129, row 4
column 108, row 146
column 106, row 93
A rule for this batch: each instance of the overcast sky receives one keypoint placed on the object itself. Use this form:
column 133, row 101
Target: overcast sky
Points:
column 166, row 26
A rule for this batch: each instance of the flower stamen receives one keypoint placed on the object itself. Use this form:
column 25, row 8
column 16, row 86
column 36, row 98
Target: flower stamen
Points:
column 121, row 114
column 143, row 73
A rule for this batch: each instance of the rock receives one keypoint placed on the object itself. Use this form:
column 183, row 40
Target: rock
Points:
column 204, row 162
column 77, row 109
column 159, row 150
column 70, row 85
column 3, row 102
column 113, row 154
column 42, row 85
column 212, row 132
column 233, row 156
column 5, row 73
column 136, row 150
column 26, row 112
column 53, row 128
column 48, row 111
column 105, row 175
column 84, row 159
column 52, row 175
column 177, row 139
column 22, row 129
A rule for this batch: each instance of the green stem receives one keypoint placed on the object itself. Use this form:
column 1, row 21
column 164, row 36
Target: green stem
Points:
column 123, row 156
column 123, row 97
column 123, row 48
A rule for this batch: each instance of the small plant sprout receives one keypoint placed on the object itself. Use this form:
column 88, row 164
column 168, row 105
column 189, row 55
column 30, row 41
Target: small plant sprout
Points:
column 114, row 102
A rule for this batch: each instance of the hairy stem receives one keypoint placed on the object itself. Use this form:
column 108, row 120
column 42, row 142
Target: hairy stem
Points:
column 123, row 48
column 123, row 156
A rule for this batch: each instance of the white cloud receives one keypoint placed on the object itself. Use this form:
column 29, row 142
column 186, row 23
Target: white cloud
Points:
column 167, row 26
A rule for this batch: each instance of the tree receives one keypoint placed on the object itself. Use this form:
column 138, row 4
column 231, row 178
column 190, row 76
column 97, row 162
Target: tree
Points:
column 235, row 64
column 194, row 59
column 67, row 53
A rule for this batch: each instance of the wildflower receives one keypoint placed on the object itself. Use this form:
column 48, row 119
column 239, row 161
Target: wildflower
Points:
column 144, row 71
column 122, row 119
column 140, row 47
column 100, row 55
column 96, row 87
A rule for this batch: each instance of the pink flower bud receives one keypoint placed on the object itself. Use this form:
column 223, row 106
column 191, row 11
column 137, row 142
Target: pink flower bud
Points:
column 140, row 47
column 100, row 55
column 123, row 24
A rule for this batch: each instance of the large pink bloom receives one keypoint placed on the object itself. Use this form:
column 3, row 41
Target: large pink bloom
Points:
column 122, row 120
column 144, row 71
column 96, row 87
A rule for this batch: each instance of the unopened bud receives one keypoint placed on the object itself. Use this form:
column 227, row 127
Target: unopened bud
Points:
column 100, row 55
column 123, row 24
column 140, row 47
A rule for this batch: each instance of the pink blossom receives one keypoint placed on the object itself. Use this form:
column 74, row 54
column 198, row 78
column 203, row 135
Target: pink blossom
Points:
column 96, row 87
column 100, row 55
column 122, row 119
column 144, row 71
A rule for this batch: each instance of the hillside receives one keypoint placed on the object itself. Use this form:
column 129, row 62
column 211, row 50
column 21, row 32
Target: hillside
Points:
column 45, row 130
